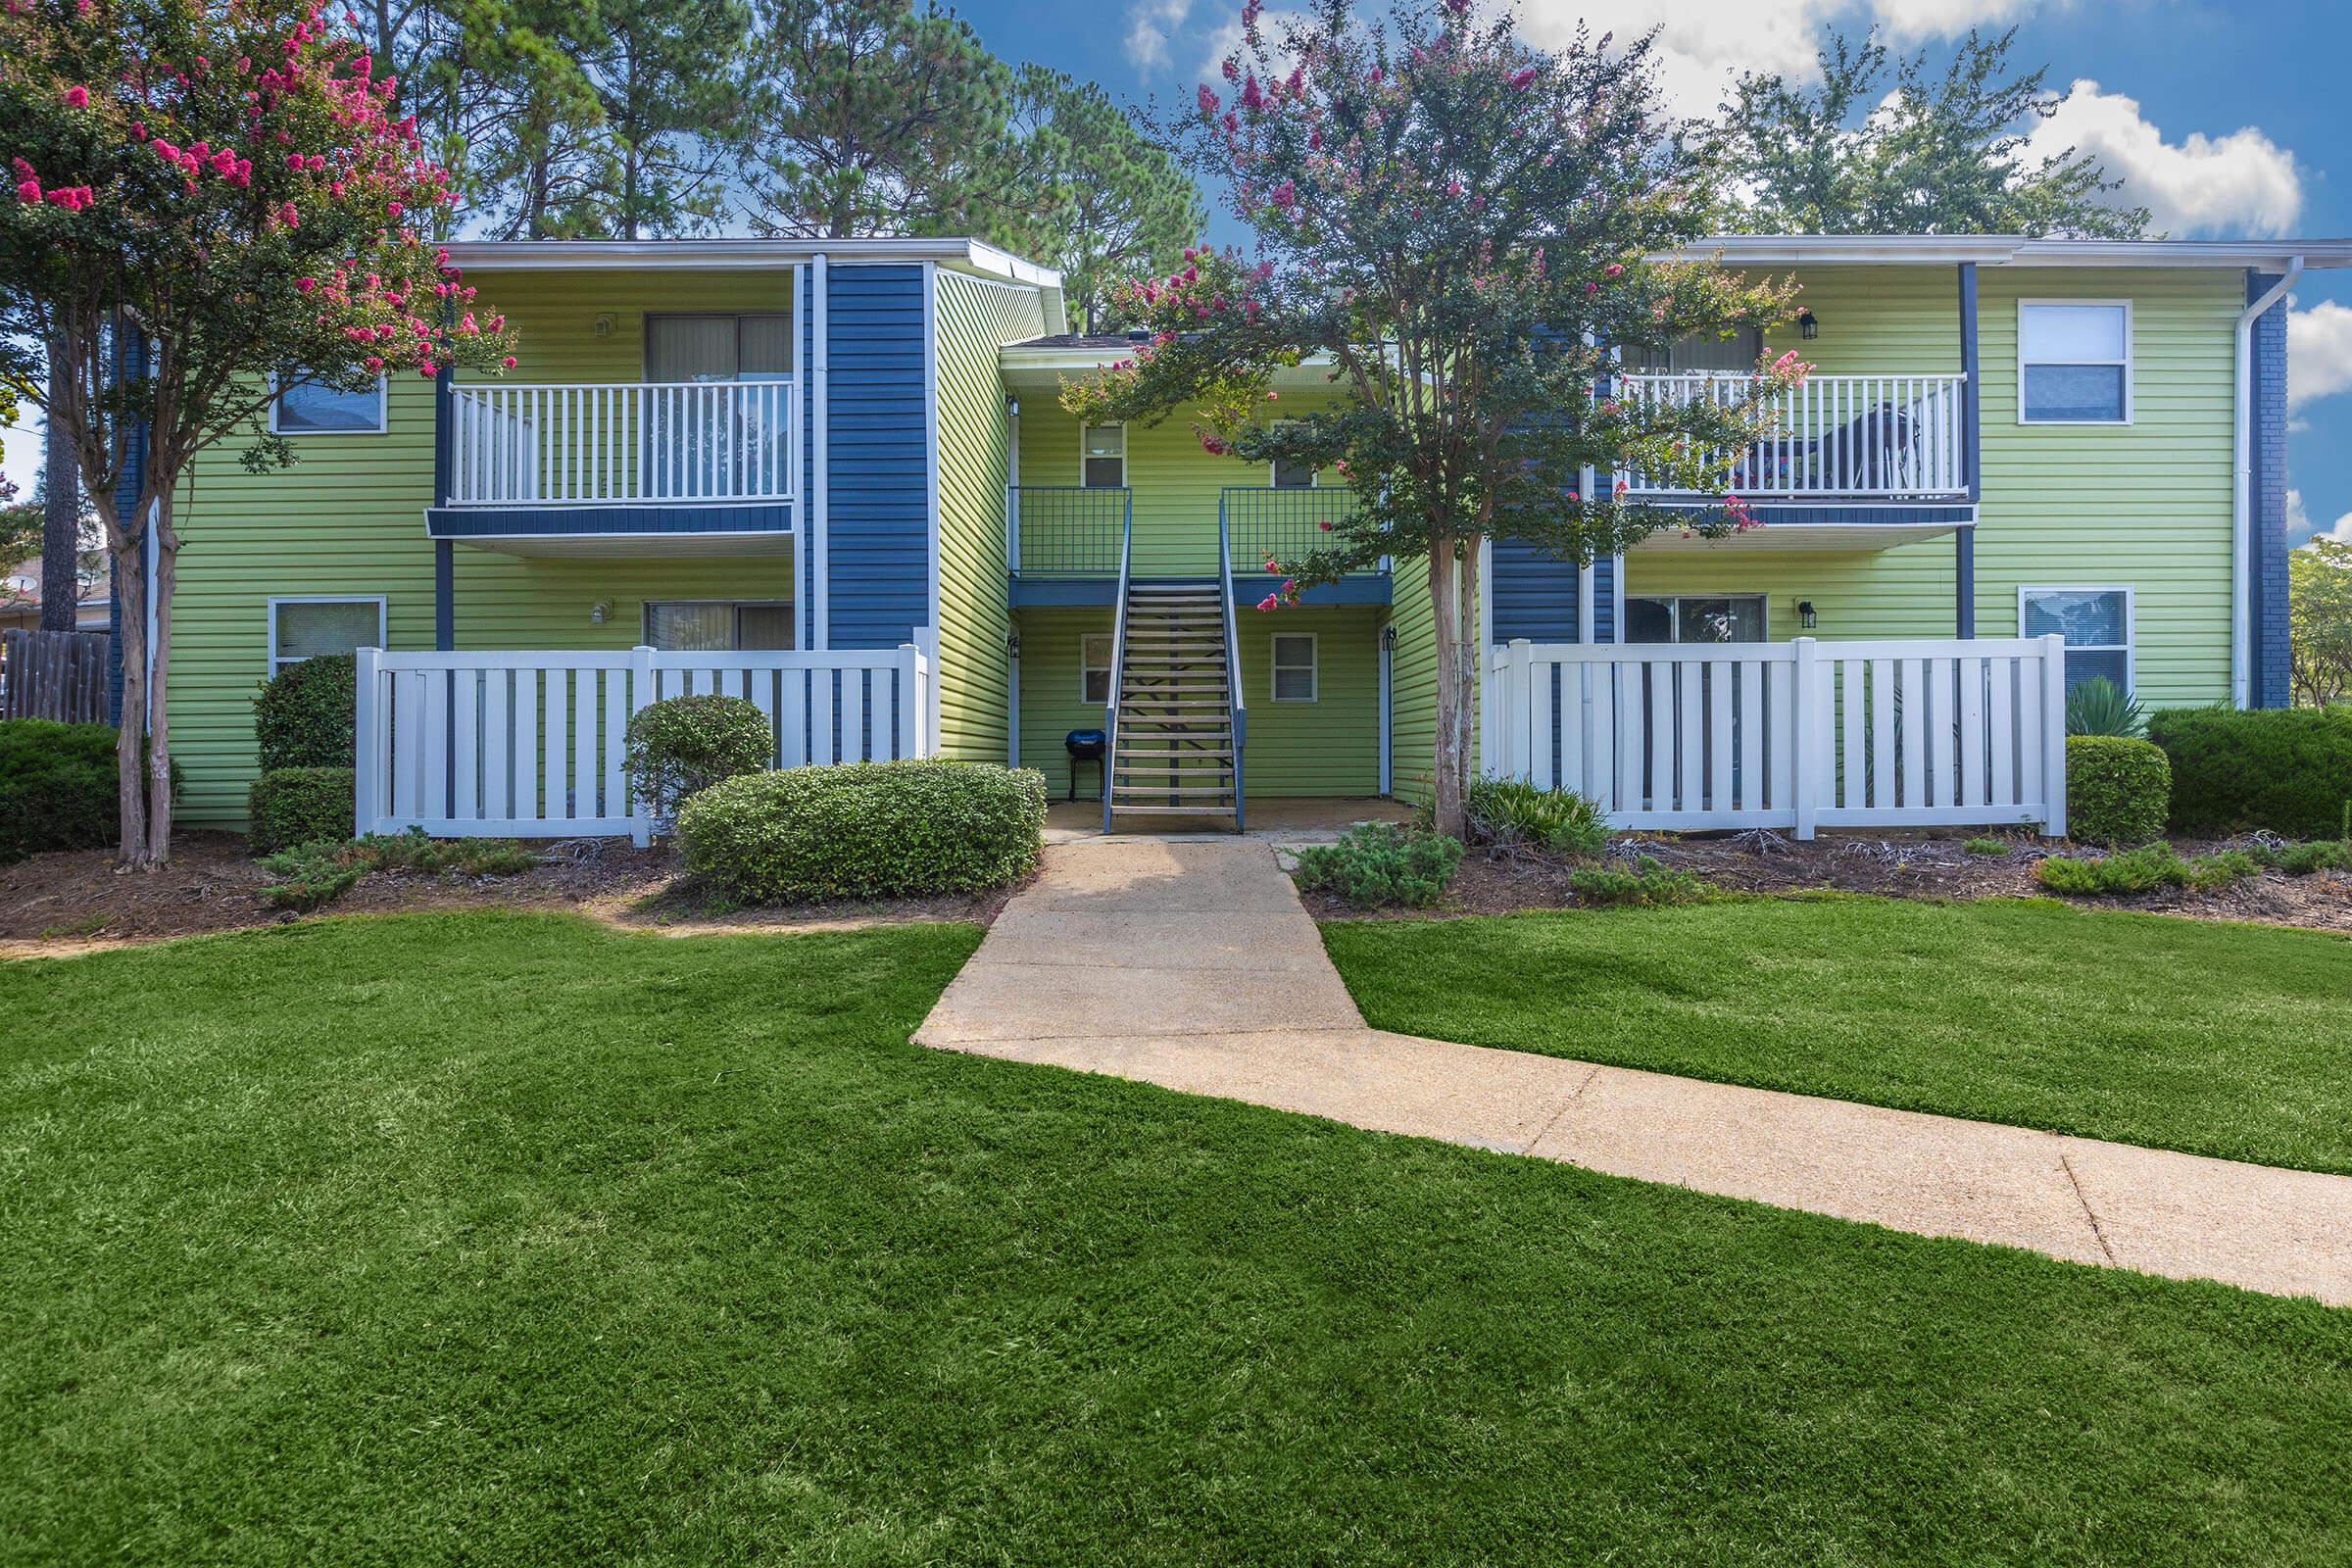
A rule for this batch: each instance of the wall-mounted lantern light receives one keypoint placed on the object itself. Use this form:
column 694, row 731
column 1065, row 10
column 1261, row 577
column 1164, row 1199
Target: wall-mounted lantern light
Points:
column 1388, row 638
column 604, row 326
column 1810, row 326
column 1013, row 645
column 1806, row 615
column 598, row 612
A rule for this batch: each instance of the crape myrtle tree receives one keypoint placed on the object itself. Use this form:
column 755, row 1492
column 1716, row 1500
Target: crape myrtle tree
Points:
column 1458, row 226
column 213, row 201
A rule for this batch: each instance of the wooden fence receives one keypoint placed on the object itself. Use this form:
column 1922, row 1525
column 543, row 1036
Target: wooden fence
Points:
column 1796, row 735
column 531, row 745
column 53, row 674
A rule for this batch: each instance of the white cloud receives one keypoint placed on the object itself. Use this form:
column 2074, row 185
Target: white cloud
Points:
column 2299, row 523
column 2240, row 183
column 1150, row 26
column 2319, row 352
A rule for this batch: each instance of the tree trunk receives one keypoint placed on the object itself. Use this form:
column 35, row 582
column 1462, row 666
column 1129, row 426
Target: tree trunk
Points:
column 1445, row 628
column 130, row 580
column 159, row 717
column 61, row 520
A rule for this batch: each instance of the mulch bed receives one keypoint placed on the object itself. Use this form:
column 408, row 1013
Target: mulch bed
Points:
column 76, row 901
column 1920, row 866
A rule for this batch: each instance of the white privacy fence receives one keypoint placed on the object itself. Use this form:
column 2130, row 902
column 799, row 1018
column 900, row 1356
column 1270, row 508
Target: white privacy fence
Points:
column 1857, row 436
column 531, row 745
column 1794, row 735
column 624, row 443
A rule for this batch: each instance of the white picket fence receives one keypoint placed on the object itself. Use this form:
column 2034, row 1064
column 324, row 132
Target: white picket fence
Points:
column 531, row 745
column 1798, row 735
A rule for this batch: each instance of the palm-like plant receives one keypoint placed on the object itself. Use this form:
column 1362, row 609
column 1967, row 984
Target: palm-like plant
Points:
column 2097, row 707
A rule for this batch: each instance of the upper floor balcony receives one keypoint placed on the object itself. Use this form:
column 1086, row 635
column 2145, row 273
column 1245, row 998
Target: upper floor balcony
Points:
column 1901, row 438
column 1063, row 543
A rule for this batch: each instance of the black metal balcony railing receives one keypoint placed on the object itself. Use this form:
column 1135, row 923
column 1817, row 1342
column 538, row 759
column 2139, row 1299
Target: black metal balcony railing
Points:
column 1065, row 530
column 1071, row 531
column 1285, row 524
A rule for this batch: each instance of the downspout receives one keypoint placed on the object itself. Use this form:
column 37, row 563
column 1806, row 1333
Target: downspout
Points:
column 820, row 443
column 2241, row 488
column 1013, row 564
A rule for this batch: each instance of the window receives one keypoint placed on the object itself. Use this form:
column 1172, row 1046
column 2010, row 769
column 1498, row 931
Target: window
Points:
column 703, row 626
column 1708, row 354
column 2073, row 362
column 309, row 409
column 304, row 629
column 1094, row 668
column 1103, row 456
column 1696, row 618
column 717, row 348
column 2096, row 623
column 1288, row 475
column 1294, row 667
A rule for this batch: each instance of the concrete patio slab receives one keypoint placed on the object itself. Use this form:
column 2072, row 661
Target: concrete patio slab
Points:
column 1190, row 964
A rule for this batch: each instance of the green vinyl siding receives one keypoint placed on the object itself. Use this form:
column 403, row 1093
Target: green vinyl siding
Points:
column 1413, row 685
column 349, row 519
column 974, row 319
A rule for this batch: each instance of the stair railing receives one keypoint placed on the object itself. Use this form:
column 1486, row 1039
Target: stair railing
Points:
column 1233, row 656
column 1118, row 662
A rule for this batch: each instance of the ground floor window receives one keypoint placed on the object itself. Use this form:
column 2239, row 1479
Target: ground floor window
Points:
column 1294, row 668
column 306, row 627
column 2096, row 623
column 1694, row 618
column 718, row 625
column 1094, row 668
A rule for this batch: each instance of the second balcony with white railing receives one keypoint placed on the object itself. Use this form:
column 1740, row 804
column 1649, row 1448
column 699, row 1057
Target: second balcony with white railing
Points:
column 1830, row 438
column 624, row 444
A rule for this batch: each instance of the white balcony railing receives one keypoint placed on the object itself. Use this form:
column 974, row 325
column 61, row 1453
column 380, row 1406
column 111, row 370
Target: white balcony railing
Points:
column 1835, row 437
column 661, row 443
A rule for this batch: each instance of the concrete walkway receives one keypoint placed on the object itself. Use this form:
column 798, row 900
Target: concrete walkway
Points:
column 1190, row 965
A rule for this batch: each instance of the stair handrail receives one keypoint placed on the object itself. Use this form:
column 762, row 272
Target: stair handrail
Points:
column 1233, row 656
column 1118, row 659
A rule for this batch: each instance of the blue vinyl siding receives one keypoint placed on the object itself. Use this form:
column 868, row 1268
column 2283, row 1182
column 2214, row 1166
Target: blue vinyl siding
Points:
column 1534, row 596
column 877, row 476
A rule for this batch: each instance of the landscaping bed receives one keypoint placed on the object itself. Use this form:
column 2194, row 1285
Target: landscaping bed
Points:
column 1912, row 867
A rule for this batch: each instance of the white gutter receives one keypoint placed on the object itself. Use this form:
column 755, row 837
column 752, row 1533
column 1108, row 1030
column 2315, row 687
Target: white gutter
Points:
column 2241, row 490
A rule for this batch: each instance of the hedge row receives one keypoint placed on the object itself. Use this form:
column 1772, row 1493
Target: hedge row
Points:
column 2286, row 769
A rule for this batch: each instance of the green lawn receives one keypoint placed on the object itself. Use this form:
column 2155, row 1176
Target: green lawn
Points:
column 2227, row 1040
column 509, row 1240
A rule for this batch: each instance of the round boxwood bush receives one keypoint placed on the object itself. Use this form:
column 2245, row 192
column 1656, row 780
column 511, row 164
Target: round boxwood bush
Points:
column 292, row 805
column 2117, row 789
column 680, row 747
column 306, row 714
column 57, row 787
column 2286, row 769
column 865, row 830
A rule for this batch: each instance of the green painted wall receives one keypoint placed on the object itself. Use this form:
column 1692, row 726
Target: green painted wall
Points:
column 974, row 319
column 349, row 519
column 1326, row 747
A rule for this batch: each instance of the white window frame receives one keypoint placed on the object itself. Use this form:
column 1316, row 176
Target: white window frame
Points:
column 383, row 615
column 1314, row 476
column 1109, row 653
column 645, row 615
column 1674, row 616
column 383, row 411
column 1119, row 426
column 1275, row 667
column 2130, row 344
column 2129, row 647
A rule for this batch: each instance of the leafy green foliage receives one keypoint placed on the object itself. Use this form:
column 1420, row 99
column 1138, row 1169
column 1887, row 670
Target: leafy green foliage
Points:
column 306, row 714
column 2144, row 870
column 1856, row 153
column 2319, row 620
column 2303, row 859
column 686, row 744
column 865, row 830
column 2284, row 770
column 290, row 806
column 1377, row 863
column 1509, row 813
column 2098, row 707
column 1987, row 846
column 56, row 787
column 1645, row 884
column 318, row 871
column 2117, row 789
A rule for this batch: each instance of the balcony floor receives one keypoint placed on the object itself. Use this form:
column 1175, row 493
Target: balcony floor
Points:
column 729, row 528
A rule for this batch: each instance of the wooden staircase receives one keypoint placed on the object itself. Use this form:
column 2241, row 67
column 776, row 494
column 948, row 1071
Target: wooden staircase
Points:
column 1172, row 734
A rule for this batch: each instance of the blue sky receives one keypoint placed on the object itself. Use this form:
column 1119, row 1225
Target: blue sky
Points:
column 2227, row 121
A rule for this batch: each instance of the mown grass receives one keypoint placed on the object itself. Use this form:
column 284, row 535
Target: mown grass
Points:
column 2220, row 1039
column 501, row 1239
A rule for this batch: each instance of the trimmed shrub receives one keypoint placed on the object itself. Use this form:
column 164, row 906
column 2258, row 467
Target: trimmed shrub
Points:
column 2284, row 769
column 292, row 805
column 2142, row 871
column 865, row 830
column 1379, row 863
column 2116, row 789
column 1511, row 814
column 318, row 871
column 681, row 747
column 1647, row 883
column 305, row 715
column 2303, row 859
column 56, row 787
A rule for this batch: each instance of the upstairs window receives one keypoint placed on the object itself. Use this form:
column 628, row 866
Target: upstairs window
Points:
column 309, row 409
column 1288, row 475
column 304, row 629
column 2073, row 362
column 1103, row 454
column 2096, row 623
column 1703, row 353
column 706, row 626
